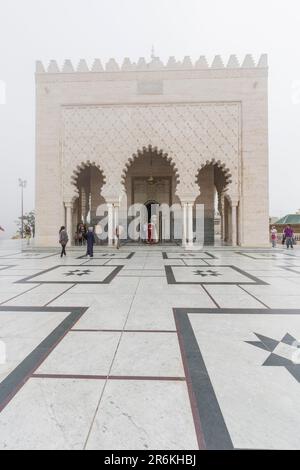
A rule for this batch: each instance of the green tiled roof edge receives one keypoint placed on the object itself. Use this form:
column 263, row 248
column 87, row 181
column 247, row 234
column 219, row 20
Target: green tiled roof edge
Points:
column 289, row 219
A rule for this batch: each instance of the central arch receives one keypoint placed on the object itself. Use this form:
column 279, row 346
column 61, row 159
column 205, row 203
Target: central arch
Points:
column 150, row 150
column 150, row 175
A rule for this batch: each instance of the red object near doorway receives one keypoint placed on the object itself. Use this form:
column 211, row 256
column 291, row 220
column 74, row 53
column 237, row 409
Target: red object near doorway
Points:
column 150, row 233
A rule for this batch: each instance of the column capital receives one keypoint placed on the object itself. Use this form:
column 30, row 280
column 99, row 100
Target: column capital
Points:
column 188, row 197
column 112, row 200
column 233, row 198
column 187, row 201
column 68, row 204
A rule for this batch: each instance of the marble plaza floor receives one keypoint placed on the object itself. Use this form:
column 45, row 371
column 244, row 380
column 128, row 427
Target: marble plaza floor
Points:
column 150, row 348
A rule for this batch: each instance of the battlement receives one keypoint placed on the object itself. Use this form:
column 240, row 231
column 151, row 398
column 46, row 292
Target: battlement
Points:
column 154, row 64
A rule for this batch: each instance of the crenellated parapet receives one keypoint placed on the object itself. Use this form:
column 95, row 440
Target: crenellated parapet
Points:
column 155, row 63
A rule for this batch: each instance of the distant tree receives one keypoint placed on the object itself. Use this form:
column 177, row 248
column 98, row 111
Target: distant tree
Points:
column 28, row 219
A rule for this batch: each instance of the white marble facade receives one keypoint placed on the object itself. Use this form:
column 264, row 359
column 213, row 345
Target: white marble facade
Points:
column 190, row 115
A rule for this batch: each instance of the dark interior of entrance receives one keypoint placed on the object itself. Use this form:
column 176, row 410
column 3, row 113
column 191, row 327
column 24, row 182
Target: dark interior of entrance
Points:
column 152, row 209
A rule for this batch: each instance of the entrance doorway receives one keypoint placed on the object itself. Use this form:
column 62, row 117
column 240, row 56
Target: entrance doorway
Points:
column 152, row 209
column 151, row 181
column 154, row 218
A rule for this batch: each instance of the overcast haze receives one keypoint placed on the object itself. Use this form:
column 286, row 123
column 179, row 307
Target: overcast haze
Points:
column 74, row 29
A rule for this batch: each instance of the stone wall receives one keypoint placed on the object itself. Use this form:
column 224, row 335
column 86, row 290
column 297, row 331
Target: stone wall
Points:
column 191, row 113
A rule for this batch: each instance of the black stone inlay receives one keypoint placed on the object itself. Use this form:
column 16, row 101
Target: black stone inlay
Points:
column 270, row 343
column 19, row 376
column 107, row 280
column 172, row 280
column 291, row 269
column 208, row 272
column 29, row 255
column 78, row 272
column 266, row 255
column 288, row 339
column 213, row 425
column 108, row 255
column 189, row 255
column 258, row 344
column 5, row 266
column 292, row 364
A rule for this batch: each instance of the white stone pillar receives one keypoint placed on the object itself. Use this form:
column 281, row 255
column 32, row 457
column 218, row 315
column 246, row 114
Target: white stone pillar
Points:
column 190, row 233
column 85, row 205
column 222, row 226
column 69, row 225
column 116, row 221
column 233, row 224
column 110, row 219
column 222, row 207
column 184, row 227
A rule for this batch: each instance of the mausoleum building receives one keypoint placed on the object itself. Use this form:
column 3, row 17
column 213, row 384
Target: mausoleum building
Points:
column 179, row 133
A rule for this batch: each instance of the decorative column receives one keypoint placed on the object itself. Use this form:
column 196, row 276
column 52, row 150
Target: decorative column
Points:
column 116, row 219
column 69, row 226
column 184, row 227
column 110, row 217
column 234, row 204
column 86, row 204
column 190, row 233
column 222, row 214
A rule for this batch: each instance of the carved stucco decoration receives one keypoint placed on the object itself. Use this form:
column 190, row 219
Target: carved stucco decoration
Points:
column 190, row 135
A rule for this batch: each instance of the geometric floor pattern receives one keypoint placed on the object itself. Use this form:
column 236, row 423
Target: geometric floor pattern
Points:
column 150, row 349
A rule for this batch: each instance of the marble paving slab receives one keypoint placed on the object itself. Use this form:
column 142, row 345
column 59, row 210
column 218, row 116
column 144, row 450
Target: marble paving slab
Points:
column 150, row 349
column 209, row 275
column 245, row 380
column 70, row 274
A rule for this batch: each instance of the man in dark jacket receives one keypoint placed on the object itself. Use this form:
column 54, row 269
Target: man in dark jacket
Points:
column 63, row 240
column 289, row 236
column 90, row 241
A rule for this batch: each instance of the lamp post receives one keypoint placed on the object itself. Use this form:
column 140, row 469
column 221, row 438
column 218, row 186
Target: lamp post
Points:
column 22, row 184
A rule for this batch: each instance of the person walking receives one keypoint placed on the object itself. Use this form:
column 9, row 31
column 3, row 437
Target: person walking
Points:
column 289, row 236
column 84, row 233
column 28, row 234
column 118, row 233
column 283, row 237
column 144, row 232
column 63, row 240
column 90, row 241
column 80, row 237
column 81, row 234
column 274, row 236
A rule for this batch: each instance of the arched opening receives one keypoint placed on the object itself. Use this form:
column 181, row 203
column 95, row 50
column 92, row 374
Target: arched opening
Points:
column 213, row 180
column 88, row 180
column 150, row 179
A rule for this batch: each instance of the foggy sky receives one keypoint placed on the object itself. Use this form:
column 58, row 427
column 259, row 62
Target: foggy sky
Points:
column 74, row 29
